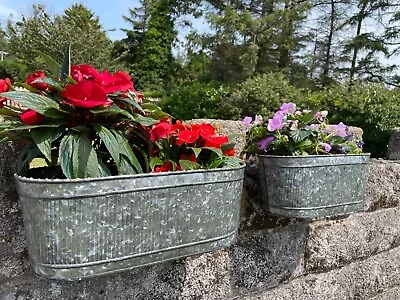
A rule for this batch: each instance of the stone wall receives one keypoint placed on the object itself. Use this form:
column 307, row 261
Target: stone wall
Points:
column 354, row 257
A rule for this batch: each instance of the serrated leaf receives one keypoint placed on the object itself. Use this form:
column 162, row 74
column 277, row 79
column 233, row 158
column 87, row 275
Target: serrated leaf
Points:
column 66, row 65
column 66, row 150
column 50, row 62
column 189, row 165
column 84, row 159
column 33, row 101
column 43, row 138
column 155, row 161
column 299, row 135
column 28, row 87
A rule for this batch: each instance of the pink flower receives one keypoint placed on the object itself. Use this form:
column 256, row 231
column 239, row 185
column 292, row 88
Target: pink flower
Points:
column 276, row 122
column 327, row 147
column 288, row 108
column 247, row 121
column 321, row 115
column 263, row 144
column 337, row 130
column 258, row 120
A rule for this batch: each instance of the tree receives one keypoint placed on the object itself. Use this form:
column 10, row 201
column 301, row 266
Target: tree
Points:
column 52, row 34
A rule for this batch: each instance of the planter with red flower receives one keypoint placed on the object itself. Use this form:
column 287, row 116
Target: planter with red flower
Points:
column 120, row 185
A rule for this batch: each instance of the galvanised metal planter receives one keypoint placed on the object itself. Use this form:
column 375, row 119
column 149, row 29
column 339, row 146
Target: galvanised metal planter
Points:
column 81, row 228
column 314, row 186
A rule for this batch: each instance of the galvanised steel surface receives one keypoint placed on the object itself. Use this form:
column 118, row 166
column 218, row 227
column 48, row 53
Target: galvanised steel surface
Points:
column 312, row 186
column 86, row 227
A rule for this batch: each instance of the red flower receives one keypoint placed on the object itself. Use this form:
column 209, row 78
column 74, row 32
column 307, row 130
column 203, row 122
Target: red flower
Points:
column 216, row 141
column 86, row 94
column 187, row 136
column 229, row 152
column 84, row 72
column 190, row 157
column 4, row 87
column 164, row 168
column 41, row 86
column 160, row 130
column 31, row 117
column 207, row 130
column 120, row 81
column 178, row 126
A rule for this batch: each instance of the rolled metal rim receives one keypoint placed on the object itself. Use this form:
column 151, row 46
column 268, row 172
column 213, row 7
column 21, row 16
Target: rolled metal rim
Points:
column 313, row 160
column 118, row 177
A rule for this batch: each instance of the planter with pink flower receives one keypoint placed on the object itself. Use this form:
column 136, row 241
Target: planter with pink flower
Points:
column 307, row 168
column 108, row 182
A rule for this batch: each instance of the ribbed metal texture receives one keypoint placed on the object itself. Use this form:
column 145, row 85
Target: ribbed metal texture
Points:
column 86, row 227
column 312, row 186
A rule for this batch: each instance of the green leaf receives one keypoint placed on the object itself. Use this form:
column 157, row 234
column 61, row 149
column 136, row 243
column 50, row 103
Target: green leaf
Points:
column 131, row 100
column 26, row 155
column 299, row 135
column 215, row 150
column 196, row 151
column 51, row 82
column 308, row 117
column 145, row 121
column 50, row 62
column 127, row 151
column 66, row 65
column 109, row 140
column 159, row 115
column 8, row 112
column 150, row 106
column 126, row 167
column 84, row 159
column 26, row 127
column 43, row 138
column 155, row 161
column 104, row 171
column 33, row 101
column 28, row 87
column 67, row 147
column 189, row 165
column 227, row 146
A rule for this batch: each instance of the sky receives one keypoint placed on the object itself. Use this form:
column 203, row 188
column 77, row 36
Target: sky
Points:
column 109, row 12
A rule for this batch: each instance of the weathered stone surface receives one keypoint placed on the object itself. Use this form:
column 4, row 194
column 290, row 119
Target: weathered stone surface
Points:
column 390, row 294
column 356, row 132
column 383, row 185
column 359, row 280
column 228, row 127
column 394, row 145
column 332, row 244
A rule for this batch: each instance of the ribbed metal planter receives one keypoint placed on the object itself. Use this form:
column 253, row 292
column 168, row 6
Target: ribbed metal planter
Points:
column 313, row 186
column 87, row 227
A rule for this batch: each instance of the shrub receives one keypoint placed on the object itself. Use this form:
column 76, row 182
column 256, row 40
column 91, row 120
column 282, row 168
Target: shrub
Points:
column 372, row 107
column 196, row 101
column 262, row 94
column 13, row 70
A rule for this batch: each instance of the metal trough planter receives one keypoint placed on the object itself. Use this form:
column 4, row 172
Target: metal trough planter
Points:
column 86, row 227
column 314, row 186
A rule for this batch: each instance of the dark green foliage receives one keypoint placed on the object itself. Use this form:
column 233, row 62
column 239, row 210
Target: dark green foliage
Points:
column 13, row 70
column 196, row 101
column 372, row 107
column 262, row 94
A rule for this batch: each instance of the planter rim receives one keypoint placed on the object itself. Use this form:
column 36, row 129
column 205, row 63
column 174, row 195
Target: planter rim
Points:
column 313, row 156
column 117, row 177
